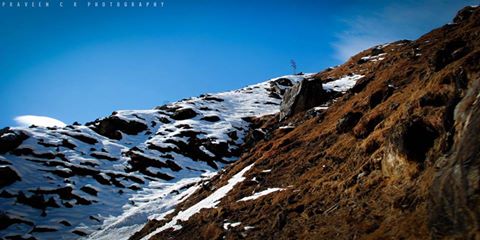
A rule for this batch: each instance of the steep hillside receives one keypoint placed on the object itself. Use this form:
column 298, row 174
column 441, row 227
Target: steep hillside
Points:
column 395, row 157
column 110, row 176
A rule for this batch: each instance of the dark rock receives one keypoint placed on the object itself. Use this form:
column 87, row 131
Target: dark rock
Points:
column 8, row 175
column 172, row 165
column 6, row 220
column 283, row 82
column 42, row 229
column 362, row 61
column 65, row 223
column 433, row 99
column 35, row 201
column 258, row 134
column 134, row 187
column 361, row 84
column 9, row 140
column 89, row 190
column 212, row 118
column 164, row 120
column 140, row 162
column 279, row 86
column 376, row 51
column 303, row 96
column 189, row 134
column 348, row 122
column 380, row 96
column 184, row 126
column 184, row 113
column 233, row 135
column 464, row 14
column 80, row 232
column 112, row 126
column 82, row 137
column 100, row 155
column 28, row 151
column 366, row 126
column 94, row 218
column 450, row 52
column 212, row 98
column 453, row 206
column 6, row 194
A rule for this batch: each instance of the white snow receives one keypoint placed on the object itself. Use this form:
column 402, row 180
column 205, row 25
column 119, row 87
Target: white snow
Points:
column 343, row 84
column 260, row 194
column 375, row 58
column 227, row 225
column 209, row 202
column 321, row 108
column 205, row 150
column 154, row 202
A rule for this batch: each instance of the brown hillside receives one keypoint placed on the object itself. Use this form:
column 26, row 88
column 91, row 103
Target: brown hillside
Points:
column 396, row 157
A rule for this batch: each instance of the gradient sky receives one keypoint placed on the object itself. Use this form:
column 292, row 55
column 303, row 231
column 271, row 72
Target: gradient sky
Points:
column 80, row 64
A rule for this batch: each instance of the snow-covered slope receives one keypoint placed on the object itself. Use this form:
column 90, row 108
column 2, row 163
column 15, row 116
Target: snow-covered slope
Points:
column 108, row 177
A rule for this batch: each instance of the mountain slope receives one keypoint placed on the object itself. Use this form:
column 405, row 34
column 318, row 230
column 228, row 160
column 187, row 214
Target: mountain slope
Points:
column 67, row 181
column 395, row 157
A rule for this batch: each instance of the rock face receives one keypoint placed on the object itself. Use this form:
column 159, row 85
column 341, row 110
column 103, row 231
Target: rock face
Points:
column 303, row 96
column 454, row 206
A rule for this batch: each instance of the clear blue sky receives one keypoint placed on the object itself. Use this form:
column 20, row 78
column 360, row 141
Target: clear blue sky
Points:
column 84, row 63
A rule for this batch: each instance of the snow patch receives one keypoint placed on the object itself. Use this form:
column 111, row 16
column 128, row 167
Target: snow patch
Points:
column 343, row 84
column 260, row 194
column 208, row 202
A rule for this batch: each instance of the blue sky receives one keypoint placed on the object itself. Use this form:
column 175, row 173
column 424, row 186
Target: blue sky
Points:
column 80, row 64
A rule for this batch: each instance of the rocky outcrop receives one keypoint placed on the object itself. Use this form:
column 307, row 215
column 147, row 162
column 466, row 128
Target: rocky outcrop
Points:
column 184, row 113
column 112, row 126
column 8, row 176
column 454, row 205
column 9, row 140
column 303, row 96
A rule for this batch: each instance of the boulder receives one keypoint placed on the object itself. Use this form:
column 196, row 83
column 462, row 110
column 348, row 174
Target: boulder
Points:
column 6, row 220
column 9, row 140
column 348, row 122
column 303, row 96
column 184, row 113
column 464, row 14
column 112, row 126
column 448, row 53
column 8, row 175
column 278, row 87
column 211, row 118
column 90, row 190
